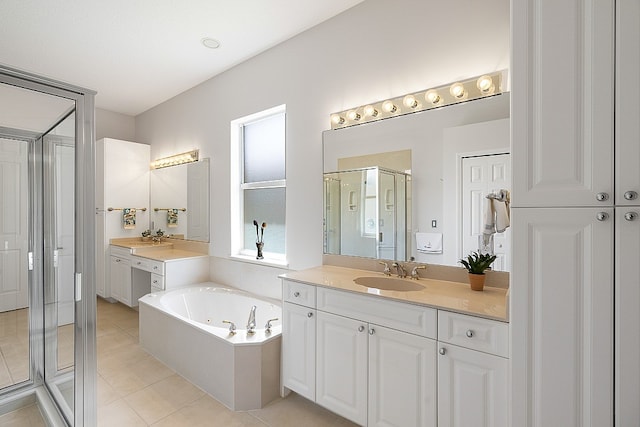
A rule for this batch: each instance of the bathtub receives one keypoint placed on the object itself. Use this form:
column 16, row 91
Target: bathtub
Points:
column 183, row 328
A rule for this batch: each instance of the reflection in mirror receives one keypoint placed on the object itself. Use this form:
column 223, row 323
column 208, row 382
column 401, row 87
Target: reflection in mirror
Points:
column 180, row 200
column 14, row 293
column 437, row 141
column 366, row 213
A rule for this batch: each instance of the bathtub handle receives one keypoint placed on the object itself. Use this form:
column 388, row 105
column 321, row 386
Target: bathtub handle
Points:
column 232, row 326
column 267, row 327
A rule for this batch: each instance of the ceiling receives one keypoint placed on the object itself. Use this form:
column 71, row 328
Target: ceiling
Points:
column 138, row 53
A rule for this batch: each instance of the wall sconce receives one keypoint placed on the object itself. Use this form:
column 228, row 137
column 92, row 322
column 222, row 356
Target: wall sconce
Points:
column 178, row 159
column 452, row 93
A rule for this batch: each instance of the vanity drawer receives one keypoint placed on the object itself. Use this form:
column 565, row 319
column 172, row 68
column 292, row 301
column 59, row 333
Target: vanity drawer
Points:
column 299, row 293
column 414, row 319
column 120, row 251
column 157, row 282
column 147, row 264
column 489, row 336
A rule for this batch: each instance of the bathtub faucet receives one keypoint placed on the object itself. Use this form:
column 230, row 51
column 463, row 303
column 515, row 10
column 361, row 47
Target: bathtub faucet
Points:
column 251, row 323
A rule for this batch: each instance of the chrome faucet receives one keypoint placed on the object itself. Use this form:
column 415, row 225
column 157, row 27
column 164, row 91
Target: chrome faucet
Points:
column 414, row 272
column 251, row 323
column 400, row 269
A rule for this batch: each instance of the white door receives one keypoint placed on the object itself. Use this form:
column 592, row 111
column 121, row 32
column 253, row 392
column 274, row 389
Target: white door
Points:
column 64, row 231
column 341, row 371
column 472, row 388
column 402, row 379
column 481, row 176
column 299, row 349
column 562, row 312
column 627, row 301
column 14, row 194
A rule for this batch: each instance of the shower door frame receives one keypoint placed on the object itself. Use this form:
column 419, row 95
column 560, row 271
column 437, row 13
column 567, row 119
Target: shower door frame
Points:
column 85, row 378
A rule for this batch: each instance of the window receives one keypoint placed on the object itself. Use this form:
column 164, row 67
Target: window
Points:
column 259, row 184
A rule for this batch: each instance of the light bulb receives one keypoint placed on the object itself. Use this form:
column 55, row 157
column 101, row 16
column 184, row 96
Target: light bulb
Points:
column 389, row 107
column 432, row 96
column 370, row 111
column 485, row 84
column 457, row 90
column 410, row 101
column 353, row 115
column 336, row 119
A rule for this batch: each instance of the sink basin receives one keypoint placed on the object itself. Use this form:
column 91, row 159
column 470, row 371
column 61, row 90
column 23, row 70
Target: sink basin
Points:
column 388, row 284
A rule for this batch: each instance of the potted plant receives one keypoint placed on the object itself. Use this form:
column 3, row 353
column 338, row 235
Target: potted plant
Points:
column 476, row 263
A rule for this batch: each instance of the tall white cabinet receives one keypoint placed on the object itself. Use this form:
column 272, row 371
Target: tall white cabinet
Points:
column 576, row 162
column 122, row 181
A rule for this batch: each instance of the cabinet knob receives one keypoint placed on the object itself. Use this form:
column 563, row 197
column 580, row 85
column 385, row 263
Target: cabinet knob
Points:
column 139, row 263
column 372, row 331
column 469, row 333
column 117, row 259
column 601, row 197
column 155, row 281
column 630, row 216
column 602, row 216
column 309, row 314
column 296, row 294
column 630, row 195
column 442, row 351
column 360, row 328
column 155, row 267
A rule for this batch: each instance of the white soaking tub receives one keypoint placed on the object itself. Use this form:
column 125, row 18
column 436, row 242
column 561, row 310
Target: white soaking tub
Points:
column 184, row 329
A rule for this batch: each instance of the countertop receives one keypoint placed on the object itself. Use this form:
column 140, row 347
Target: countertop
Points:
column 167, row 250
column 492, row 303
column 166, row 254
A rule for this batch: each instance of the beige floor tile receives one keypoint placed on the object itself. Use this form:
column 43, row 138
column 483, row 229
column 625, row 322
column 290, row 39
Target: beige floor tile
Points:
column 295, row 410
column 119, row 414
column 29, row 416
column 106, row 393
column 163, row 398
column 207, row 412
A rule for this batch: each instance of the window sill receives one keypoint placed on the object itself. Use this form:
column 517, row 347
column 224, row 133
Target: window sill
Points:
column 266, row 262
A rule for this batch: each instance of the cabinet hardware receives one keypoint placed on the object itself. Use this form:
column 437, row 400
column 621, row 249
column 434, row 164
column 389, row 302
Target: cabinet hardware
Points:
column 372, row 331
column 310, row 314
column 601, row 197
column 442, row 351
column 630, row 216
column 602, row 216
column 296, row 294
column 469, row 333
column 360, row 328
column 630, row 195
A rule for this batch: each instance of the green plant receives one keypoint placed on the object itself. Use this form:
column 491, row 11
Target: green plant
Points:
column 477, row 263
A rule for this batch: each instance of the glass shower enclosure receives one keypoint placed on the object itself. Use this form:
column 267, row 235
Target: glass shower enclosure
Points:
column 365, row 213
column 47, row 266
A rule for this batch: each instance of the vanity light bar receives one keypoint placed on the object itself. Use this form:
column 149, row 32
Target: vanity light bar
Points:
column 178, row 159
column 452, row 93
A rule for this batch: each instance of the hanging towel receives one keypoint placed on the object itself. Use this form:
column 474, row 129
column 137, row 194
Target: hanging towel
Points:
column 496, row 214
column 429, row 243
column 172, row 218
column 129, row 218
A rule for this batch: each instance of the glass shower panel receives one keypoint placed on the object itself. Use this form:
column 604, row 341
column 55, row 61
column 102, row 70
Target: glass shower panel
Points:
column 59, row 287
column 14, row 286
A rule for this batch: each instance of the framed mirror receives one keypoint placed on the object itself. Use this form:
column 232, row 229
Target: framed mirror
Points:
column 179, row 200
column 433, row 148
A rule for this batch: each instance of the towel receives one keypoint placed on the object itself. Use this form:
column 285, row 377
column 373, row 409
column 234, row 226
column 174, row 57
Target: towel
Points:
column 129, row 218
column 429, row 243
column 496, row 214
column 172, row 218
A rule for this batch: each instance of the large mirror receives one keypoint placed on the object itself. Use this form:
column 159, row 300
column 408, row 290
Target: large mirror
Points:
column 179, row 200
column 454, row 157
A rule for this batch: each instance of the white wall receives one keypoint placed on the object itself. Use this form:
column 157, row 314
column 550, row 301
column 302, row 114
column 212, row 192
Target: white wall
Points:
column 114, row 125
column 375, row 50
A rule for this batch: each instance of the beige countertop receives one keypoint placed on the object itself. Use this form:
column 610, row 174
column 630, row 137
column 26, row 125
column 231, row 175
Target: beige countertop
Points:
column 492, row 303
column 167, row 254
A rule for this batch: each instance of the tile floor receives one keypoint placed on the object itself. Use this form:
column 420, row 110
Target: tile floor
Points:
column 135, row 389
column 14, row 347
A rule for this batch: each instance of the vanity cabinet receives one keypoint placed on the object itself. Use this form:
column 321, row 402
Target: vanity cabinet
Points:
column 473, row 371
column 120, row 278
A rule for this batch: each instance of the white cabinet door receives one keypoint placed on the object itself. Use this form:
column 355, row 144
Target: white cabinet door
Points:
column 402, row 379
column 299, row 349
column 627, row 336
column 472, row 388
column 562, row 102
column 120, row 276
column 562, row 317
column 341, row 370
column 627, row 102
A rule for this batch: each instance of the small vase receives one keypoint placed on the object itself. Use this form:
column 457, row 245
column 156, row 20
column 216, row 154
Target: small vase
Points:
column 259, row 245
column 476, row 281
